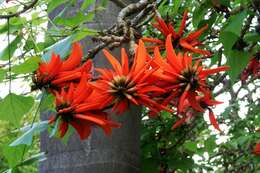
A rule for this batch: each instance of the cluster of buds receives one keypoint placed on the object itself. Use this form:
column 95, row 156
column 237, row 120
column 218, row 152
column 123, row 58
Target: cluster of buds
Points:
column 172, row 83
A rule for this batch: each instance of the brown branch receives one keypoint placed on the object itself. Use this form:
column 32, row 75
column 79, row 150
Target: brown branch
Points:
column 25, row 8
column 129, row 10
column 124, row 30
column 119, row 3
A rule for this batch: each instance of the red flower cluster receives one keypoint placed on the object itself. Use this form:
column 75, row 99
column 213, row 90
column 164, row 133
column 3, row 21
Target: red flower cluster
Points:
column 69, row 81
column 124, row 85
column 55, row 74
column 186, row 43
column 157, row 83
column 253, row 68
column 184, row 82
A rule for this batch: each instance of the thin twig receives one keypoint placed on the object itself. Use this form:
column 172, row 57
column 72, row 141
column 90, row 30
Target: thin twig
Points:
column 25, row 8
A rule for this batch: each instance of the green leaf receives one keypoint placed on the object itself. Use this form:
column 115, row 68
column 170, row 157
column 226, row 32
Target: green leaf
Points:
column 66, row 137
column 76, row 20
column 86, row 4
column 18, row 20
column 13, row 107
column 230, row 33
column 2, row 74
column 210, row 144
column 35, row 158
column 237, row 60
column 28, row 66
column 62, row 48
column 9, row 171
column 191, row 146
column 4, row 55
column 54, row 4
column 177, row 4
column 83, row 33
column 13, row 154
column 199, row 14
column 150, row 165
column 225, row 2
column 27, row 137
column 181, row 163
column 47, row 102
column 252, row 37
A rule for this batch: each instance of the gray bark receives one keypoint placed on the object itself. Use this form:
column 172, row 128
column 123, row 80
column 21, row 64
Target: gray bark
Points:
column 118, row 153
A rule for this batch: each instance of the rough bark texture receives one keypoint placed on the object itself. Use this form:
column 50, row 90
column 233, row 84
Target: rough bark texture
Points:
column 118, row 153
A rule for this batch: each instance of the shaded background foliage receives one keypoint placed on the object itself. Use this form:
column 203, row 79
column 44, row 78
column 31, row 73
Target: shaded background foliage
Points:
column 233, row 36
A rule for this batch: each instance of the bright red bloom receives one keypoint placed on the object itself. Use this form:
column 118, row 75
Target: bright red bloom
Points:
column 123, row 85
column 73, row 108
column 253, row 68
column 188, row 42
column 55, row 73
column 201, row 103
column 185, row 80
column 257, row 148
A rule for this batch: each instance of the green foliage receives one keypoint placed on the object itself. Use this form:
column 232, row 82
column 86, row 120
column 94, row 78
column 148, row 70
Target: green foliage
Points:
column 237, row 60
column 28, row 66
column 4, row 55
column 161, row 146
column 13, row 107
column 14, row 154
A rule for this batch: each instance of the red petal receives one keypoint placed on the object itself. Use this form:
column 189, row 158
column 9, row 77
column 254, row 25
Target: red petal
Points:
column 124, row 61
column 54, row 66
column 178, row 123
column 63, row 128
column 194, row 103
column 83, row 128
column 74, row 59
column 207, row 72
column 183, row 22
column 113, row 61
column 140, row 58
column 171, row 55
column 196, row 34
column 152, row 40
column 213, row 120
column 163, row 26
column 69, row 78
column 182, row 98
column 186, row 45
column 90, row 119
column 172, row 31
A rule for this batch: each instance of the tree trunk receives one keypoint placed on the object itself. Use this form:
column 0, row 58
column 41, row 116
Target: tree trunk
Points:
column 118, row 153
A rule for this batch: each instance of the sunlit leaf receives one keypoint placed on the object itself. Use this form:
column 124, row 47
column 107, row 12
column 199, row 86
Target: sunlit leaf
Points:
column 230, row 33
column 4, row 55
column 28, row 66
column 13, row 107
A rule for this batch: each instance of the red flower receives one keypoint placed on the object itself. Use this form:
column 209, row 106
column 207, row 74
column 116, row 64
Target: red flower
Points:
column 200, row 104
column 121, row 86
column 185, row 80
column 73, row 108
column 187, row 43
column 257, row 148
column 253, row 68
column 55, row 73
